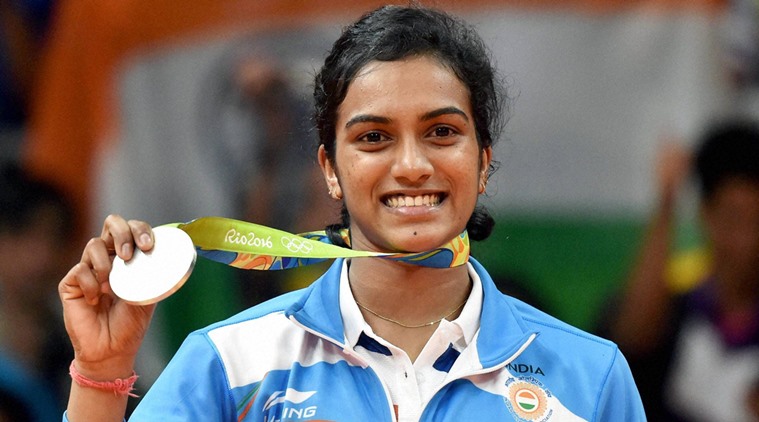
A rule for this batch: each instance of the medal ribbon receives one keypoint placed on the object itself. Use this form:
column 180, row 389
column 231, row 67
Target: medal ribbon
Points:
column 254, row 247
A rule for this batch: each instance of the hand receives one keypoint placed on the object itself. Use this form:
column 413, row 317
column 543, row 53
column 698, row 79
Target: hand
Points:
column 105, row 331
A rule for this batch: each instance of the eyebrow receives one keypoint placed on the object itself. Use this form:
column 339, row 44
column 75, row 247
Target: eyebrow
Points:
column 366, row 118
column 443, row 111
column 370, row 118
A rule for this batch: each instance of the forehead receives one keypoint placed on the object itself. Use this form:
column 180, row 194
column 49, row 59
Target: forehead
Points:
column 735, row 193
column 413, row 85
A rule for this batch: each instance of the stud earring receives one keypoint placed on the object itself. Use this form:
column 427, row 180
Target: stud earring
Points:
column 335, row 193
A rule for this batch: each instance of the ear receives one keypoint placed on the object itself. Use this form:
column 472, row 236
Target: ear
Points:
column 485, row 160
column 330, row 174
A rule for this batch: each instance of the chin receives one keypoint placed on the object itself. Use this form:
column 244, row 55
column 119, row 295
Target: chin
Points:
column 423, row 240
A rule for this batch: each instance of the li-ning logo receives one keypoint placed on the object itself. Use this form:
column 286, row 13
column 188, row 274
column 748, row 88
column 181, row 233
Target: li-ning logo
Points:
column 290, row 398
column 528, row 400
column 295, row 245
column 250, row 239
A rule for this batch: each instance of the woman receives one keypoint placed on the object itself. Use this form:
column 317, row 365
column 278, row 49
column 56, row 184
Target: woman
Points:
column 407, row 108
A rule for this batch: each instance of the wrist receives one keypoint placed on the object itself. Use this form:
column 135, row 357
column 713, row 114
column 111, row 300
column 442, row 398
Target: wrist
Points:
column 104, row 370
column 118, row 386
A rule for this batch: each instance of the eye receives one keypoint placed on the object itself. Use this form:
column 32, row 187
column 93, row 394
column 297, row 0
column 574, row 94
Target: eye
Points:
column 443, row 131
column 372, row 137
column 443, row 135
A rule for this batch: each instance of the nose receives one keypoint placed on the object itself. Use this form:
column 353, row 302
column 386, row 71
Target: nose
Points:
column 412, row 163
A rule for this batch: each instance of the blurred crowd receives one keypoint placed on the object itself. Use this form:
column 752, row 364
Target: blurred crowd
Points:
column 233, row 139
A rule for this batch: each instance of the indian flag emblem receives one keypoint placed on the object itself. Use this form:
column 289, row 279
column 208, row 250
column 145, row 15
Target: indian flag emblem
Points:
column 527, row 401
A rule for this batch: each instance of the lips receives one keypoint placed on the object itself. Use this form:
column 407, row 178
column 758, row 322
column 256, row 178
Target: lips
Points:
column 426, row 200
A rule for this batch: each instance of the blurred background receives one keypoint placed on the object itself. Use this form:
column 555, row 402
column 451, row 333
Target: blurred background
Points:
column 169, row 111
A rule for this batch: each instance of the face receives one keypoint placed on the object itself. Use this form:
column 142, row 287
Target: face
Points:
column 731, row 219
column 34, row 259
column 407, row 162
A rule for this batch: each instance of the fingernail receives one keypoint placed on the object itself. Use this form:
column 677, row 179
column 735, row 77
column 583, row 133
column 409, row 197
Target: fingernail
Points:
column 145, row 239
column 126, row 249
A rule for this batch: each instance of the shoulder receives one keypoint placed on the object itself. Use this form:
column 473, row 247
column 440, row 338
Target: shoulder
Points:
column 588, row 371
column 581, row 352
column 505, row 312
column 266, row 320
column 551, row 327
column 244, row 345
column 578, row 347
column 275, row 305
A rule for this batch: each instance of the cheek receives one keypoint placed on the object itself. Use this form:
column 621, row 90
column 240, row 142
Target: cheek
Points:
column 354, row 175
column 468, row 171
column 735, row 238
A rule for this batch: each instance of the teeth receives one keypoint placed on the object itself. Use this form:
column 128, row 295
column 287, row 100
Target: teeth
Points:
column 413, row 201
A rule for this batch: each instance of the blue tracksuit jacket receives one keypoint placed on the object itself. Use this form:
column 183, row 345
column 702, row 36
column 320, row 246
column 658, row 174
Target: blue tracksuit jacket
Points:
column 286, row 360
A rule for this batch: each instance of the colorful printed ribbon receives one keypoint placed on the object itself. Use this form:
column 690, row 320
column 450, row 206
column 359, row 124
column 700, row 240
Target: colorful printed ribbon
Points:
column 253, row 247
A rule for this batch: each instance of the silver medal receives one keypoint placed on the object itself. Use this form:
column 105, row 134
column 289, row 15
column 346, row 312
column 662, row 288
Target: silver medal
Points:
column 154, row 275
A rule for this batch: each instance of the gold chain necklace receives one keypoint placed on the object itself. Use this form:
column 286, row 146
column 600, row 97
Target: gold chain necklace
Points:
column 426, row 324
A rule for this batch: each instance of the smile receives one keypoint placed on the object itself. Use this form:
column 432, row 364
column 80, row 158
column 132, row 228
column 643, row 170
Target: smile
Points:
column 397, row 201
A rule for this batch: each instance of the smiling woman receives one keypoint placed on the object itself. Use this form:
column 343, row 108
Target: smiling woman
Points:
column 408, row 107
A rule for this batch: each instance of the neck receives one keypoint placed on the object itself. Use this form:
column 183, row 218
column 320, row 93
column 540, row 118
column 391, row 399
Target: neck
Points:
column 408, row 293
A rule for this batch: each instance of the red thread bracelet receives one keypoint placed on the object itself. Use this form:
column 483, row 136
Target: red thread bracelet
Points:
column 119, row 386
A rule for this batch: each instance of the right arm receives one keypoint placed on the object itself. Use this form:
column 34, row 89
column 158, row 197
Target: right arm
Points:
column 641, row 319
column 105, row 332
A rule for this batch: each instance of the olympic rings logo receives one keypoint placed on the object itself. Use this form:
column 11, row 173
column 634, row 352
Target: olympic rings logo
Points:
column 296, row 245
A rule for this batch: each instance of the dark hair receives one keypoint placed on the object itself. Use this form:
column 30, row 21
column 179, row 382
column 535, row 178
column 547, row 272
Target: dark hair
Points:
column 729, row 149
column 393, row 33
column 22, row 197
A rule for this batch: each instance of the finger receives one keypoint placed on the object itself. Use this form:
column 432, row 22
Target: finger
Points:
column 80, row 282
column 97, row 258
column 117, row 235
column 142, row 233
